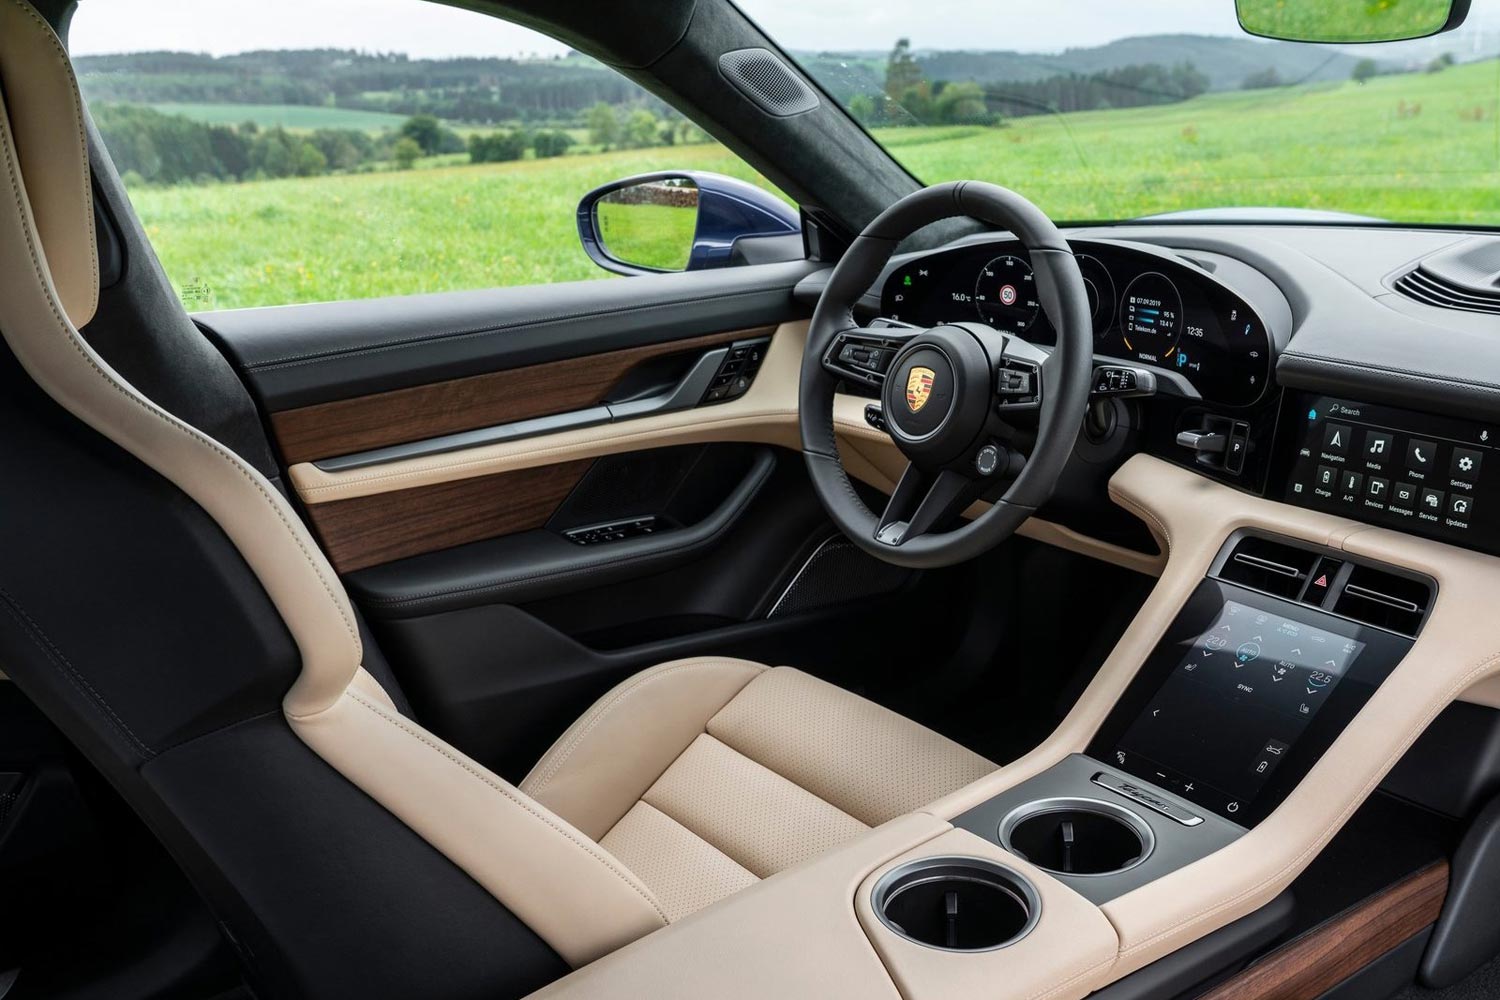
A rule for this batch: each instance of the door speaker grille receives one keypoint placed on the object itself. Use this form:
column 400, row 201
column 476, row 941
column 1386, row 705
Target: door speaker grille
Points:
column 771, row 84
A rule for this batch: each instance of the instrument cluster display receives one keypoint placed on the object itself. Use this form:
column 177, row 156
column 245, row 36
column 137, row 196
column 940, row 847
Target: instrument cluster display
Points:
column 1147, row 307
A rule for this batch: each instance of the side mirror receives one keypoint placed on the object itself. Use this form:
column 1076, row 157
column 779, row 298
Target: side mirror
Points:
column 678, row 221
column 1349, row 21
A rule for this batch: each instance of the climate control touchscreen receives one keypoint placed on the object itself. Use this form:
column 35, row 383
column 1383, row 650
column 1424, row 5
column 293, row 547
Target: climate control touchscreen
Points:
column 1225, row 719
column 1419, row 473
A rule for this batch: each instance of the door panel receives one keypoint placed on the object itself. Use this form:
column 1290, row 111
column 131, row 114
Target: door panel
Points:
column 342, row 427
column 397, row 423
column 295, row 356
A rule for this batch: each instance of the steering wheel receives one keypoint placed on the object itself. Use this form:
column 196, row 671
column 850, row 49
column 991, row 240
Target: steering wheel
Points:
column 968, row 406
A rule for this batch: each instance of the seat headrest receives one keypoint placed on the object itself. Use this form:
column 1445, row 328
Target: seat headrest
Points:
column 39, row 94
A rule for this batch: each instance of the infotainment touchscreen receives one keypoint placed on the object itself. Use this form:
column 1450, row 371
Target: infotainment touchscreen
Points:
column 1415, row 472
column 1235, row 705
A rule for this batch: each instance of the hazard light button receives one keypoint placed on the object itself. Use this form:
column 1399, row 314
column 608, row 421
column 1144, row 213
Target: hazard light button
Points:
column 1320, row 581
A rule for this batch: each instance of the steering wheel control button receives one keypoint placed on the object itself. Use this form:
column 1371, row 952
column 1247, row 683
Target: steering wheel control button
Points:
column 987, row 460
column 875, row 417
column 1017, row 383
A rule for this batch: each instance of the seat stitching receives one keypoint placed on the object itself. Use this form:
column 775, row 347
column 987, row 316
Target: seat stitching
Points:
column 724, row 848
column 521, row 801
column 80, row 682
column 151, row 410
column 597, row 713
column 87, row 195
column 692, row 833
column 1140, row 510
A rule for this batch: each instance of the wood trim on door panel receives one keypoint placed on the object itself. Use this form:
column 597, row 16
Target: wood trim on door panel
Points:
column 1329, row 954
column 367, row 531
column 326, row 430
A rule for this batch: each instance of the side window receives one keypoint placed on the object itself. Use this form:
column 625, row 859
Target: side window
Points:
column 282, row 152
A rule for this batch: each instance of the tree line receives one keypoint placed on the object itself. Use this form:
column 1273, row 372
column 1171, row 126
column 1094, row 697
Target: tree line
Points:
column 149, row 146
column 909, row 98
column 476, row 90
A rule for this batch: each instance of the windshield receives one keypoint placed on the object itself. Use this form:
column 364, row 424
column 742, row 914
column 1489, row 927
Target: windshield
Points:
column 1101, row 110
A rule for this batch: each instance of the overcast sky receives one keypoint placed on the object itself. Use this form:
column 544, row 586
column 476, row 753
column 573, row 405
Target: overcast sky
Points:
column 430, row 30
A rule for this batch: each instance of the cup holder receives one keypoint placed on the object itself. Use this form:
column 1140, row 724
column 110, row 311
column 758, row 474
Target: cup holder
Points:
column 957, row 904
column 1077, row 836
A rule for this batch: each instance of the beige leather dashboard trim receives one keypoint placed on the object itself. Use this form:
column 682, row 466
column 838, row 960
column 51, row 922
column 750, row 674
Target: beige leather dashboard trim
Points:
column 1066, row 956
column 1458, row 648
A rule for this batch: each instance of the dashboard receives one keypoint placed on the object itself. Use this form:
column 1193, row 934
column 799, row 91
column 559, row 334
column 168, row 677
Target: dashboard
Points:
column 1149, row 307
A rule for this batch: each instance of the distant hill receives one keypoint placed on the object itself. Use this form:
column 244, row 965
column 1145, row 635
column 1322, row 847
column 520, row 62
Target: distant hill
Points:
column 479, row 90
column 466, row 90
column 1226, row 61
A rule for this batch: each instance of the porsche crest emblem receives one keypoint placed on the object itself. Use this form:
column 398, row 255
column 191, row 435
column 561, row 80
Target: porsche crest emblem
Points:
column 918, row 388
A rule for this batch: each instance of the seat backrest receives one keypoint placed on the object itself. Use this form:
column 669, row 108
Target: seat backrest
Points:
column 170, row 595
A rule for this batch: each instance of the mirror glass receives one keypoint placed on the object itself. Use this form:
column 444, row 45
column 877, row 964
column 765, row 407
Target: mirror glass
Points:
column 651, row 224
column 1344, row 21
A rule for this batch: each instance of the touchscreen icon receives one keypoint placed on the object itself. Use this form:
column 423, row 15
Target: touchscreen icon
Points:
column 1377, row 446
column 1420, row 455
column 1247, row 652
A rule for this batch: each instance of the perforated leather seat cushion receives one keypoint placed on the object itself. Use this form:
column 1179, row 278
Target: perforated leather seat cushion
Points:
column 734, row 772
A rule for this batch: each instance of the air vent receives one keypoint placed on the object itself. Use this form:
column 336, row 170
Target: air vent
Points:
column 1385, row 600
column 1271, row 567
column 771, row 84
column 1465, row 277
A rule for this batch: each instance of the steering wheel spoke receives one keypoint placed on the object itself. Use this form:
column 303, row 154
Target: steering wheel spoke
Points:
column 864, row 355
column 922, row 501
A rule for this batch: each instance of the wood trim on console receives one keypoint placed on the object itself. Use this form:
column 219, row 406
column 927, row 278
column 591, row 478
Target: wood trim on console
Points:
column 1317, row 961
column 326, row 430
column 366, row 531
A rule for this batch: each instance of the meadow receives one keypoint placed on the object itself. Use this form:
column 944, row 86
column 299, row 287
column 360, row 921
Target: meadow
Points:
column 1414, row 147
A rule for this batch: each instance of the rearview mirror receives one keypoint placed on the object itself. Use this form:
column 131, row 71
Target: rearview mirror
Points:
column 679, row 221
column 1349, row 21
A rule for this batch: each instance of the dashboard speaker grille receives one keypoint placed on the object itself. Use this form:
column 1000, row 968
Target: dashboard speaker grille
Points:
column 768, row 82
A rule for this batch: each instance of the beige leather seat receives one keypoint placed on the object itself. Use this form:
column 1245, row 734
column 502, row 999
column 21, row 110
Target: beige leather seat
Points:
column 684, row 784
column 704, row 776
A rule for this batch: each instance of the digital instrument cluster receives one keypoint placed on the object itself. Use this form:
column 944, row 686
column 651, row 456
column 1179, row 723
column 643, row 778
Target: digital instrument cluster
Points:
column 1147, row 307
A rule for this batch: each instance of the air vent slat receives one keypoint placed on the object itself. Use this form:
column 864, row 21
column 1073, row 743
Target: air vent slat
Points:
column 1434, row 290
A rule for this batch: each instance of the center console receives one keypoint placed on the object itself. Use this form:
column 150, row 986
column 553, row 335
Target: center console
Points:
column 1270, row 658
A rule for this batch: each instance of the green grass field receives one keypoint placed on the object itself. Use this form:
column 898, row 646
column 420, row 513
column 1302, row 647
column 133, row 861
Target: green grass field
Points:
column 1415, row 147
column 292, row 116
